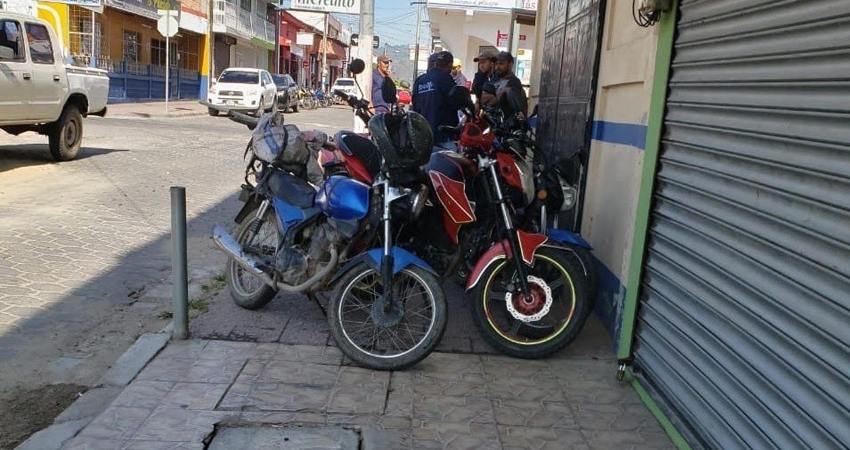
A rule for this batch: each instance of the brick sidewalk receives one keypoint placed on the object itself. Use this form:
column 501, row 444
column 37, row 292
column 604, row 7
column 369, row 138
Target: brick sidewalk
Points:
column 449, row 401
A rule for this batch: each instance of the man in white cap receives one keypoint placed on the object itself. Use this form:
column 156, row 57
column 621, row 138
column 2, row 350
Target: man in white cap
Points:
column 457, row 75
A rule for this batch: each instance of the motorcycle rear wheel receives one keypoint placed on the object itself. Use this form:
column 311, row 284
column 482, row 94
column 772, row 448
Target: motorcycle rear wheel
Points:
column 399, row 345
column 568, row 309
column 246, row 290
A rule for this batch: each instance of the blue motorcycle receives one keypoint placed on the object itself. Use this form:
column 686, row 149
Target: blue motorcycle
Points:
column 387, row 310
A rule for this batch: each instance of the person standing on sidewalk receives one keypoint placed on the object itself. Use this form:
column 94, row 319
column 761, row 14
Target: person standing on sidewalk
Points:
column 486, row 63
column 457, row 74
column 431, row 98
column 378, row 75
column 505, row 78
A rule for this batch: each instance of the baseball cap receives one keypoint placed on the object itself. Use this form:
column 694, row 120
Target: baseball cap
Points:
column 505, row 56
column 486, row 54
column 382, row 58
column 444, row 56
column 433, row 58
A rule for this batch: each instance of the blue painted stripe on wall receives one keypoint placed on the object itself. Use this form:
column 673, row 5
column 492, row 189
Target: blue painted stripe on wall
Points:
column 619, row 133
column 202, row 93
column 609, row 301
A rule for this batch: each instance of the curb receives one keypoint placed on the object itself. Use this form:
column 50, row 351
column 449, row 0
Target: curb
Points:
column 155, row 116
column 96, row 400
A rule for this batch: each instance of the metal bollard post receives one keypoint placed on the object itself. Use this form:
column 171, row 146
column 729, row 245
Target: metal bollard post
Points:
column 179, row 272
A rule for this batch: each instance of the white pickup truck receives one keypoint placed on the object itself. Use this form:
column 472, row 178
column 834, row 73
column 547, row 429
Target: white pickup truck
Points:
column 39, row 91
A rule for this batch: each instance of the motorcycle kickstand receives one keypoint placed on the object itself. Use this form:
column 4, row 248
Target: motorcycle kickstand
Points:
column 315, row 300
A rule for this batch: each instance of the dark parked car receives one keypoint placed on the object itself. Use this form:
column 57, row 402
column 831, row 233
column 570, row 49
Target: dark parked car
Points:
column 287, row 92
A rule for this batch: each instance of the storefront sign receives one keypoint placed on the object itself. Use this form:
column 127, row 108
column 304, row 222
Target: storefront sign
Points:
column 491, row 4
column 304, row 39
column 331, row 6
column 192, row 22
column 501, row 39
column 144, row 8
column 529, row 4
column 87, row 3
column 297, row 51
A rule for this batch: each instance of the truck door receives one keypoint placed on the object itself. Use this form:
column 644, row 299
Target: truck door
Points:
column 48, row 75
column 15, row 73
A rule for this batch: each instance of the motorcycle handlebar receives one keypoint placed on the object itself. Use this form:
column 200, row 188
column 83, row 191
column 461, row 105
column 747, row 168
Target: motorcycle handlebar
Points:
column 341, row 94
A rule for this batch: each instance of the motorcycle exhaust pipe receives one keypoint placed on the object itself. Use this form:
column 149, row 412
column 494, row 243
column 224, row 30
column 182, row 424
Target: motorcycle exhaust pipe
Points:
column 228, row 245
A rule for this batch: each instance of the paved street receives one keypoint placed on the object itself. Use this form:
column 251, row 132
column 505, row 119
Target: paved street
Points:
column 84, row 244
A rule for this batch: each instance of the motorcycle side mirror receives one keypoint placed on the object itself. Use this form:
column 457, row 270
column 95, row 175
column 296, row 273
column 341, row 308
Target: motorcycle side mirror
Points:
column 388, row 91
column 357, row 66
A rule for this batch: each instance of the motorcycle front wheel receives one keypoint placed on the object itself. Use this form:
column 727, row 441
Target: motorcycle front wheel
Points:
column 246, row 290
column 539, row 324
column 381, row 340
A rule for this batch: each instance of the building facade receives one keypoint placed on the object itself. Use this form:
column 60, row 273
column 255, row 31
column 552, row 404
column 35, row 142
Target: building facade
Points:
column 714, row 150
column 243, row 34
column 337, row 47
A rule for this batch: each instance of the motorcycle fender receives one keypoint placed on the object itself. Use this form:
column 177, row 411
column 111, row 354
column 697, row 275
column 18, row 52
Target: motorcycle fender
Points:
column 568, row 238
column 528, row 243
column 401, row 260
column 252, row 203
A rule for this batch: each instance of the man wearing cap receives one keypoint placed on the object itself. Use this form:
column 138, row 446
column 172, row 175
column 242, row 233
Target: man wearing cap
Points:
column 486, row 61
column 430, row 97
column 505, row 78
column 457, row 75
column 378, row 75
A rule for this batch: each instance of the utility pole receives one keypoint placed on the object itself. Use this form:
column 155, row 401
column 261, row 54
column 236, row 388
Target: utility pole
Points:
column 325, row 55
column 416, row 49
column 367, row 33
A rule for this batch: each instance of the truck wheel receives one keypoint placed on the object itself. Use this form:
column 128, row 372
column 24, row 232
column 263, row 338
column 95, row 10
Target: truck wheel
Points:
column 213, row 112
column 66, row 134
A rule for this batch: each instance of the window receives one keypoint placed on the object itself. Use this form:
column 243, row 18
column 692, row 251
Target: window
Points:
column 157, row 52
column 238, row 76
column 245, row 5
column 132, row 46
column 11, row 42
column 41, row 51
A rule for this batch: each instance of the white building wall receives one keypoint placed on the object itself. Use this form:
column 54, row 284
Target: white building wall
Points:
column 19, row 6
column 624, row 88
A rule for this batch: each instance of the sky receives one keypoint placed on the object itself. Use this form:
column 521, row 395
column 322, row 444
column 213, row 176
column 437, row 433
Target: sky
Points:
column 395, row 22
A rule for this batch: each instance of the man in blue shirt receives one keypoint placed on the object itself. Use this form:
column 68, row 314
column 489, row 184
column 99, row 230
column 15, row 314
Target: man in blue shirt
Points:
column 378, row 75
column 430, row 97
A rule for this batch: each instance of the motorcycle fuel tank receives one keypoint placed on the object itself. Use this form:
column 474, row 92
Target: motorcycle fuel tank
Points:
column 342, row 198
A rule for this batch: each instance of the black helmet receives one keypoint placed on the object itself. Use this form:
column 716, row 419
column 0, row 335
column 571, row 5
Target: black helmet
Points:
column 404, row 140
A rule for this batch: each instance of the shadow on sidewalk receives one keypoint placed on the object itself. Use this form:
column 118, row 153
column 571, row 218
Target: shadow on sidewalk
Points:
column 24, row 155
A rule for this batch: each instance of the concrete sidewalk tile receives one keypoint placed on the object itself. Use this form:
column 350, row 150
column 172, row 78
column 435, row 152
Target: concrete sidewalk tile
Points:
column 371, row 420
column 283, row 418
column 54, row 436
column 606, row 440
column 359, row 391
column 326, row 438
column 443, row 386
column 451, row 366
column 456, row 436
column 309, row 354
column 613, row 417
column 400, row 395
column 195, row 395
column 229, row 350
column 190, row 370
column 87, row 443
column 143, row 394
column 542, row 414
column 92, row 403
column 287, row 397
column 154, row 445
column 532, row 389
column 293, row 372
column 236, row 396
column 378, row 439
column 189, row 349
column 453, row 409
column 116, row 423
column 178, row 425
column 132, row 361
column 529, row 438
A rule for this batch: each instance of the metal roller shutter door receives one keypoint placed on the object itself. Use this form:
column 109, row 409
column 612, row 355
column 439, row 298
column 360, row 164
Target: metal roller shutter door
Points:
column 743, row 327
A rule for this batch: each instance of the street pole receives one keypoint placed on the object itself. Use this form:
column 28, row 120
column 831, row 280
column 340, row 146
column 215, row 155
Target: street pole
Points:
column 277, row 41
column 93, row 60
column 367, row 33
column 179, row 264
column 325, row 55
column 416, row 49
column 167, row 54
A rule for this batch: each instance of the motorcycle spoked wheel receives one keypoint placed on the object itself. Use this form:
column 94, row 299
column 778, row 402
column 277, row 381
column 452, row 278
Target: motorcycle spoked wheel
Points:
column 402, row 340
column 527, row 336
column 246, row 290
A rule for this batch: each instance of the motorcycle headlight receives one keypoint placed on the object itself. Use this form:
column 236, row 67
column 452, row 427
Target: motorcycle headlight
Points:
column 570, row 196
